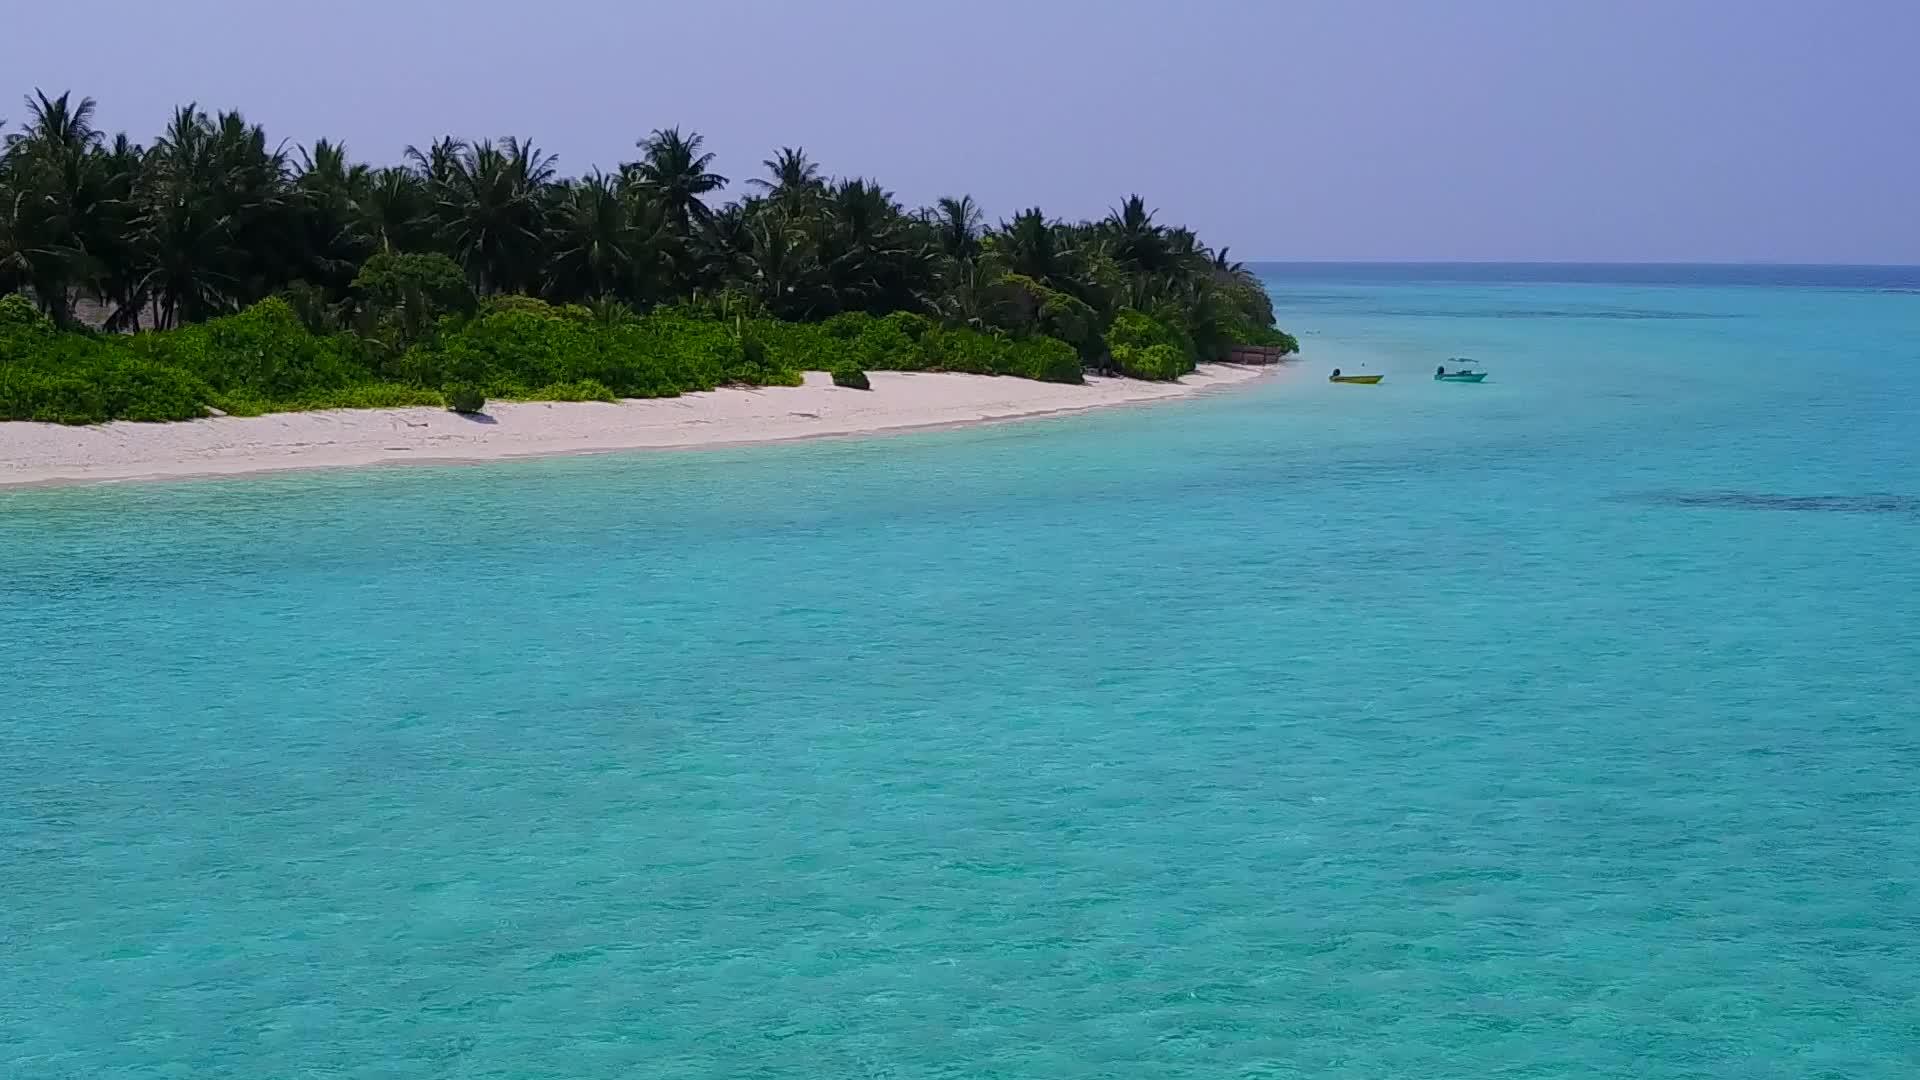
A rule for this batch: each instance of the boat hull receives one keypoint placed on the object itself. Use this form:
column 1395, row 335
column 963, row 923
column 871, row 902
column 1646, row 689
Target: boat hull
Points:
column 1360, row 380
column 1465, row 376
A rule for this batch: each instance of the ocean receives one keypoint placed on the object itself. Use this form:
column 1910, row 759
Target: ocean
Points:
column 1560, row 726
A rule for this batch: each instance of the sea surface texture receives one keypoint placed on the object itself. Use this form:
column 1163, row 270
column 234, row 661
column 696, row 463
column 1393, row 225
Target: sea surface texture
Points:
column 1561, row 726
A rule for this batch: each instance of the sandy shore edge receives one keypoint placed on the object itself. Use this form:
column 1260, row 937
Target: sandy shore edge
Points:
column 38, row 455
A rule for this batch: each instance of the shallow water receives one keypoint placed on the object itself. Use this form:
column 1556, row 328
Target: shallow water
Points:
column 1558, row 726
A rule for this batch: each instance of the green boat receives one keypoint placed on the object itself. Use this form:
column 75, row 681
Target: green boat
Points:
column 1464, row 374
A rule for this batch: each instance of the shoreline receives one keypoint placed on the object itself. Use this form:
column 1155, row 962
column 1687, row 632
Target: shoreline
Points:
column 54, row 455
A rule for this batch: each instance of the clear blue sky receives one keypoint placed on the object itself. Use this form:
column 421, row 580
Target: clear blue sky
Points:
column 1721, row 130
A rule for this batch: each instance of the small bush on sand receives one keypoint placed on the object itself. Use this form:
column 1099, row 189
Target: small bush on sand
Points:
column 466, row 399
column 850, row 376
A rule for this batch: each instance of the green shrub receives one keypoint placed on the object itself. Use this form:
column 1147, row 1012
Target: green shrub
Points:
column 516, row 304
column 976, row 352
column 1020, row 300
column 851, row 377
column 268, row 359
column 242, row 403
column 466, row 399
column 701, row 353
column 50, row 397
column 884, row 345
column 1072, row 321
column 578, row 390
column 1133, row 333
column 964, row 349
column 1267, row 336
column 1138, row 330
column 1160, row 363
column 846, row 326
column 894, row 343
column 380, row 395
column 722, row 305
column 628, row 361
column 912, row 325
column 607, row 311
column 1044, row 358
column 18, row 313
column 402, row 299
column 109, row 387
column 79, row 378
column 754, row 364
column 782, row 377
column 137, row 390
column 1249, row 320
column 804, row 346
column 1179, row 328
column 518, row 348
column 313, row 307
column 390, row 281
column 265, row 350
column 504, row 352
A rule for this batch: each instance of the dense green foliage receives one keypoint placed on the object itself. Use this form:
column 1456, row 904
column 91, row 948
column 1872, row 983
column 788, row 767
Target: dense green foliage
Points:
column 466, row 399
column 577, row 390
column 848, row 374
column 265, row 359
column 904, row 341
column 1146, row 348
column 77, row 378
column 211, row 269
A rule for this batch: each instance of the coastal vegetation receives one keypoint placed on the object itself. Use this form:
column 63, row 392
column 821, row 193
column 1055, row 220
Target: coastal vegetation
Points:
column 215, row 269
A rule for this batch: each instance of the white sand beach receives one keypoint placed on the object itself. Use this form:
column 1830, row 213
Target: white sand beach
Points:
column 39, row 454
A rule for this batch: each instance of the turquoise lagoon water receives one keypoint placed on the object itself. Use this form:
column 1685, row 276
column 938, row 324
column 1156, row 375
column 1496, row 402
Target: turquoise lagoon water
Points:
column 1563, row 726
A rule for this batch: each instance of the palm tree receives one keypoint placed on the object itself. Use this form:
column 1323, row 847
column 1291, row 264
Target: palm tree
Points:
column 218, row 223
column 972, row 292
column 57, row 127
column 1205, row 311
column 251, row 184
column 1183, row 243
column 394, row 211
column 872, row 260
column 1243, row 288
column 1138, row 244
column 491, row 209
column 679, row 173
column 54, row 186
column 114, row 240
column 436, row 163
column 793, row 174
column 30, row 257
column 325, row 168
column 1031, row 245
column 956, row 224
column 188, row 252
column 604, row 243
column 783, row 267
column 331, row 222
column 717, row 254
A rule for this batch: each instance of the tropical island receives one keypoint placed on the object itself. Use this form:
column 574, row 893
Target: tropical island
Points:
column 260, row 288
column 214, row 271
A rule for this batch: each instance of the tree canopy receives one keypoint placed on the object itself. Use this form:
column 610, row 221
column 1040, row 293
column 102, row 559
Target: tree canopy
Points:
column 212, row 217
